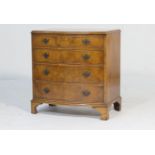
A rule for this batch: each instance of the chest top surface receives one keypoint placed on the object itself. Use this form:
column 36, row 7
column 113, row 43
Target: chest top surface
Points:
column 75, row 31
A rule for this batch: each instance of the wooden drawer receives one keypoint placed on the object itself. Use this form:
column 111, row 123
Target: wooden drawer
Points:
column 68, row 56
column 68, row 41
column 69, row 92
column 69, row 73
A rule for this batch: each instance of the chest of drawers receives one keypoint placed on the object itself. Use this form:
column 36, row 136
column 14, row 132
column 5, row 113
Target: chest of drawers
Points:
column 76, row 68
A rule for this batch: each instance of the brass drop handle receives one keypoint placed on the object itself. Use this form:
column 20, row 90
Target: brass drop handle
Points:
column 46, row 55
column 45, row 41
column 46, row 72
column 46, row 90
column 86, row 74
column 86, row 41
column 86, row 57
column 86, row 93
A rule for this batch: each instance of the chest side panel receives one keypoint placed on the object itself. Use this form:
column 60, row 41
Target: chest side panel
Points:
column 112, row 67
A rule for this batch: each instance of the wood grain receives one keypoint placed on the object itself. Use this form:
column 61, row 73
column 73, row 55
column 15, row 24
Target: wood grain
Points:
column 112, row 67
column 68, row 92
column 55, row 56
column 69, row 73
column 68, row 41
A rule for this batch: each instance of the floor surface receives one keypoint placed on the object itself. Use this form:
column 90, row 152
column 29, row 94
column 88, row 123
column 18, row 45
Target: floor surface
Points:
column 138, row 110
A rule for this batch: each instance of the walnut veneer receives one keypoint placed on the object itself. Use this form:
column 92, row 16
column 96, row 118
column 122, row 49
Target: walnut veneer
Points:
column 76, row 68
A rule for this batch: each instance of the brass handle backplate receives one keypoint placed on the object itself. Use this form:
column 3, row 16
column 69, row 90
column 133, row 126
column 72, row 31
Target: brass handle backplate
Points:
column 45, row 41
column 86, row 74
column 86, row 93
column 46, row 72
column 86, row 42
column 86, row 57
column 46, row 90
column 46, row 55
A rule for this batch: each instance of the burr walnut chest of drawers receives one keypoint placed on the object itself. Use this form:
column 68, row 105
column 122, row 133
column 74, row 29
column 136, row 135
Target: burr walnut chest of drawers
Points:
column 77, row 68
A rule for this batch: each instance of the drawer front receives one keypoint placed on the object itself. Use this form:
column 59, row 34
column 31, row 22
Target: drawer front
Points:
column 69, row 73
column 68, row 41
column 68, row 57
column 69, row 92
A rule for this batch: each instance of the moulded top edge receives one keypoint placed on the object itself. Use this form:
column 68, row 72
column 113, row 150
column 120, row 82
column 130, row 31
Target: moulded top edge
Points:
column 74, row 32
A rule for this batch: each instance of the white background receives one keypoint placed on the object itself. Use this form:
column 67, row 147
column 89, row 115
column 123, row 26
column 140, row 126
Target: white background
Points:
column 80, row 142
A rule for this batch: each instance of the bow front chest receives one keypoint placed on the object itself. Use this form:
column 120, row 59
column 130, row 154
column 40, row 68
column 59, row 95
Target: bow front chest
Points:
column 76, row 68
